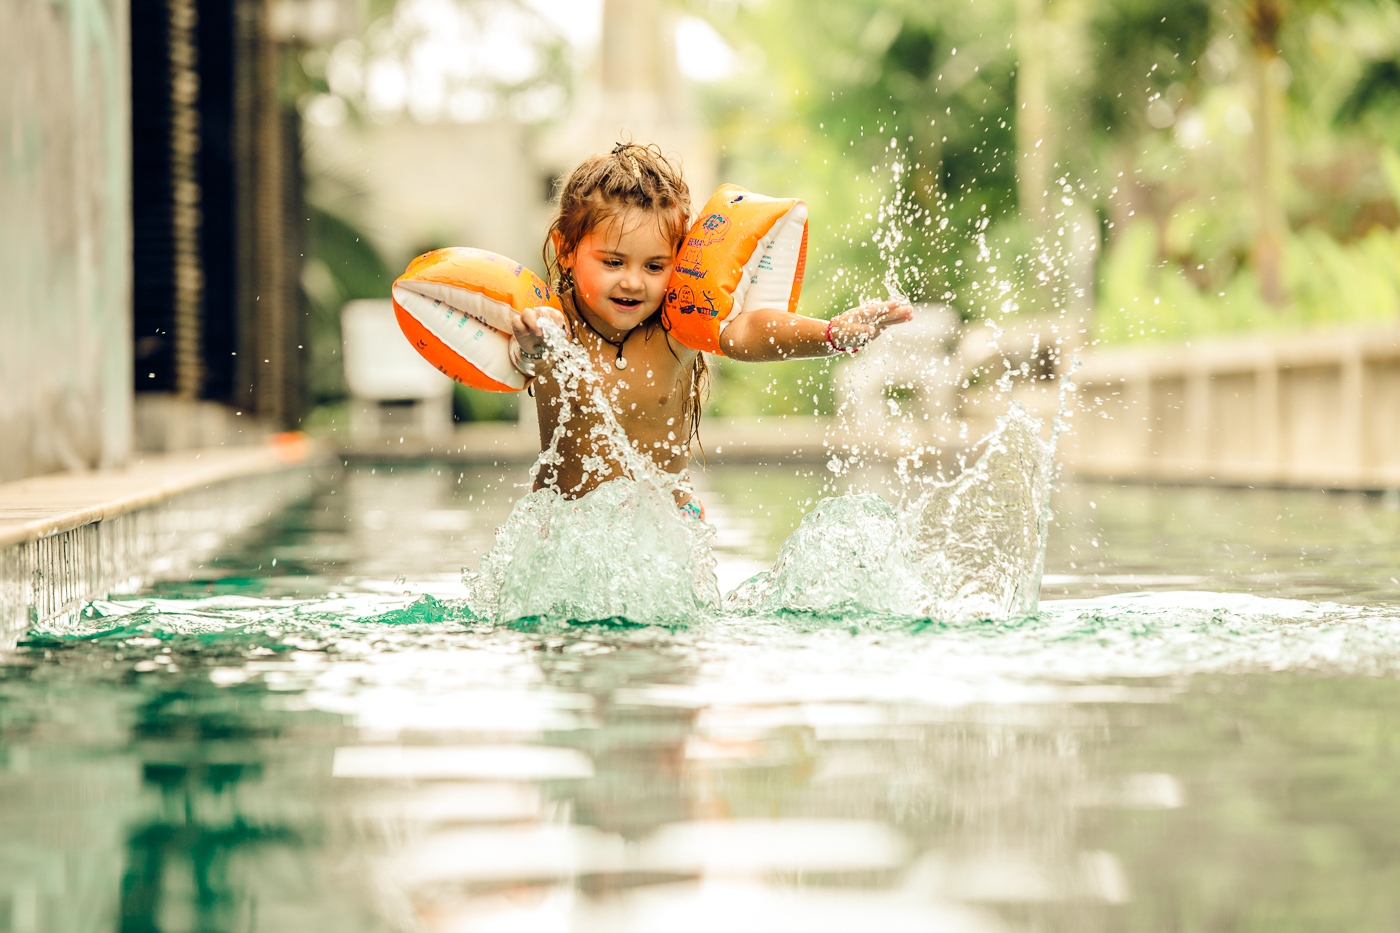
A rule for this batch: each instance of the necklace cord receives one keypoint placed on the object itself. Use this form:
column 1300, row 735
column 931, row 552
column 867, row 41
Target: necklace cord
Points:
column 615, row 344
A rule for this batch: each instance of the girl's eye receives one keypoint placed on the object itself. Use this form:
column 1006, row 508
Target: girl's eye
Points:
column 612, row 263
column 656, row 267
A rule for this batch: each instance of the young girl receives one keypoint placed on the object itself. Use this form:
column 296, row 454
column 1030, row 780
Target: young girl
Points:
column 622, row 219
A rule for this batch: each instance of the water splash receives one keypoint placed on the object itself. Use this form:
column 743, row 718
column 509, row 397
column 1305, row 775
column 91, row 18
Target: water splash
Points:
column 871, row 654
column 582, row 393
column 968, row 548
column 622, row 550
column 971, row 547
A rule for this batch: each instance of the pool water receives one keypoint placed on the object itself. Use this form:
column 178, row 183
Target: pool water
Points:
column 1200, row 730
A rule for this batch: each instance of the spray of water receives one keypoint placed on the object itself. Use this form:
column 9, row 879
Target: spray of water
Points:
column 964, row 546
column 967, row 548
column 621, row 551
column 957, row 549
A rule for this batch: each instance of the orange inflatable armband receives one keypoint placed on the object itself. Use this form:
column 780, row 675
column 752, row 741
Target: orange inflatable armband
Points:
column 746, row 251
column 456, row 305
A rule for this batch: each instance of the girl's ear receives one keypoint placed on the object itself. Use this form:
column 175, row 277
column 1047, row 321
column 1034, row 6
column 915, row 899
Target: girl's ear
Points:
column 558, row 242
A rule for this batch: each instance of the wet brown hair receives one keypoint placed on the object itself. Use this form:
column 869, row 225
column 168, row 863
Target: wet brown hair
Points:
column 603, row 187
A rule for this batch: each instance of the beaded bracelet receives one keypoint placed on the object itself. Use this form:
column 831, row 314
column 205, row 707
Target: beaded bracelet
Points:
column 832, row 343
column 523, row 363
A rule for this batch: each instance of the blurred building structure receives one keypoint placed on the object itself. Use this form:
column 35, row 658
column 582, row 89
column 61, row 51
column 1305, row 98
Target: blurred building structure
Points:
column 65, row 236
column 489, row 183
column 150, row 225
column 633, row 90
column 217, row 217
column 418, row 186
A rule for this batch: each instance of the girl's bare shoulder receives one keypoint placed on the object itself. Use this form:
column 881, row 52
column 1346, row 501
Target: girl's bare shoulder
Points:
column 660, row 343
column 685, row 355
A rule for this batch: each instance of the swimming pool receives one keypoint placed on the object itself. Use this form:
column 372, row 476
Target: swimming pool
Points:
column 311, row 733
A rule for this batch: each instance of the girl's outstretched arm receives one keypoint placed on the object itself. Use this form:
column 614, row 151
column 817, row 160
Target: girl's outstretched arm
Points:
column 764, row 335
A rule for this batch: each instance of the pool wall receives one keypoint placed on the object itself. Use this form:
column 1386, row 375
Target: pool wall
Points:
column 66, row 540
column 65, row 237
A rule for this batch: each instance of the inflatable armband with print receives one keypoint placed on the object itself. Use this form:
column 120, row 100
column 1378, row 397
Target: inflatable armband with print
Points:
column 746, row 251
column 456, row 305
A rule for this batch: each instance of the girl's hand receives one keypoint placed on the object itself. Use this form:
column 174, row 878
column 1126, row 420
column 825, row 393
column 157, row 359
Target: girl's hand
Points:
column 853, row 329
column 528, row 327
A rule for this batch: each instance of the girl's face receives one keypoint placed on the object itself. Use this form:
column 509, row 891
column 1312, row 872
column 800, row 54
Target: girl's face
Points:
column 622, row 268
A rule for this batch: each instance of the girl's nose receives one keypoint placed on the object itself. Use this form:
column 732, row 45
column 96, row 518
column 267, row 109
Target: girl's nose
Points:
column 631, row 278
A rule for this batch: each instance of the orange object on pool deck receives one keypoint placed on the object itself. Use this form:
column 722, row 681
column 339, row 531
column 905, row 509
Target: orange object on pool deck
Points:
column 746, row 251
column 290, row 446
column 456, row 305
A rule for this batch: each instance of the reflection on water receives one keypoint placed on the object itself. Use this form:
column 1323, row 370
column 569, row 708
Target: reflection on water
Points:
column 334, row 742
column 1342, row 546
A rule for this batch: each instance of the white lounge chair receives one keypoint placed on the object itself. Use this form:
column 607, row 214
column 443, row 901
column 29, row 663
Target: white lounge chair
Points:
column 393, row 390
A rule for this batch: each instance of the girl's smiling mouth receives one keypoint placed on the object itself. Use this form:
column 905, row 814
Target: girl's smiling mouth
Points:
column 628, row 303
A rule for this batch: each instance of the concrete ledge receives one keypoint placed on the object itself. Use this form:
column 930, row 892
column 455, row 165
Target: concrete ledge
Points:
column 1313, row 409
column 474, row 443
column 767, row 439
column 71, row 538
column 46, row 505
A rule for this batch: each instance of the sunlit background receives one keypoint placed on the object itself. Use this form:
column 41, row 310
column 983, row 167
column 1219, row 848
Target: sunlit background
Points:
column 1084, row 174
column 245, row 684
column 1221, row 167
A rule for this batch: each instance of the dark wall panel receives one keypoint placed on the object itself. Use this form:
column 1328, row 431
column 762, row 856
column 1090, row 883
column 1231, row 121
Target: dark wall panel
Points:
column 153, row 246
column 217, row 167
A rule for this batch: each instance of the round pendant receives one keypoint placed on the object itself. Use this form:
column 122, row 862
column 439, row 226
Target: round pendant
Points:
column 620, row 363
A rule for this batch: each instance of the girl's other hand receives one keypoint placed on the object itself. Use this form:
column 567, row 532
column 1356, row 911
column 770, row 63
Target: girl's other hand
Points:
column 853, row 329
column 529, row 329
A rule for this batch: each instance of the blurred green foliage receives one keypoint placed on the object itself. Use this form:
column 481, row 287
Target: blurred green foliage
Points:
column 341, row 264
column 1157, row 131
column 888, row 118
column 893, row 120
column 1185, row 141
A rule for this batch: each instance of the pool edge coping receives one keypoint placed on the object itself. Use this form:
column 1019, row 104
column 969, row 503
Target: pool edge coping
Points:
column 147, row 482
